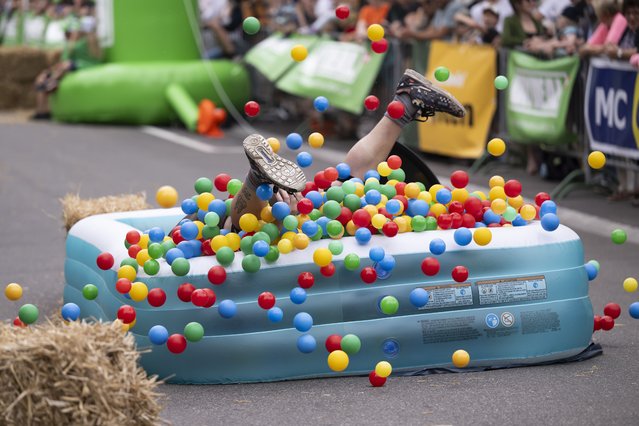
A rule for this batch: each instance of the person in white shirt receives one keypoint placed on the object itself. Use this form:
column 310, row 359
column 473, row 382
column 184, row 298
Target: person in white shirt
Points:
column 502, row 7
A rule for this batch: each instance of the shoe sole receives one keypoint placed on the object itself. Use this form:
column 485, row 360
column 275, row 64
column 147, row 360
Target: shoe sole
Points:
column 279, row 171
column 417, row 76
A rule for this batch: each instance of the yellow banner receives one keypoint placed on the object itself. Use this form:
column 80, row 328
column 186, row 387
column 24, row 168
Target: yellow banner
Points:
column 472, row 72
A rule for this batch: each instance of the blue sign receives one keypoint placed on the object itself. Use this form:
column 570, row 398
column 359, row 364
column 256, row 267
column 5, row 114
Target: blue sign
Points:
column 492, row 320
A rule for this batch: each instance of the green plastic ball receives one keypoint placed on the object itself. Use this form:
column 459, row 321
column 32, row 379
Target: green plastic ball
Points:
column 272, row 255
column 442, row 73
column 510, row 214
column 334, row 229
column 431, row 223
column 349, row 187
column 193, row 332
column 251, row 25
column 28, row 313
column 389, row 191
column 351, row 261
column 251, row 263
column 209, row 232
column 501, row 82
column 290, row 223
column 351, row 344
column 618, row 236
column 595, row 263
column 203, row 184
column 131, row 262
column 335, row 193
column 332, row 209
column 261, row 236
column 180, row 266
column 234, row 187
column 151, row 267
column 228, row 203
column 271, row 230
column 352, row 202
column 155, row 250
column 372, row 183
column 336, row 247
column 315, row 214
column 212, row 219
column 421, row 186
column 246, row 244
column 398, row 175
column 418, row 223
column 89, row 291
column 318, row 235
column 225, row 256
column 389, row 305
column 166, row 246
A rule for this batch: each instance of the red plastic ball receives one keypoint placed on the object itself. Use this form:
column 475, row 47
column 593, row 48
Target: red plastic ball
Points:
column 185, row 292
column 613, row 310
column 200, row 297
column 459, row 179
column 126, row 314
column 221, row 182
column 177, row 237
column 345, row 216
column 380, row 46
column 321, row 181
column 430, row 266
column 328, row 270
column 361, row 218
column 390, row 229
column 210, row 294
column 305, row 206
column 306, row 280
column 371, row 102
column 460, row 274
column 123, row 285
column 394, row 162
column 17, row 322
column 456, row 207
column 217, row 274
column 607, row 323
column 207, row 250
column 375, row 380
column 133, row 237
column 251, row 108
column 342, row 11
column 403, row 200
column 176, row 343
column 395, row 109
column 541, row 197
column 266, row 300
column 596, row 323
column 156, row 297
column 105, row 261
column 512, row 188
column 456, row 220
column 310, row 186
column 468, row 221
column 444, row 221
column 331, row 173
column 368, row 275
column 399, row 187
column 473, row 205
column 134, row 250
column 333, row 343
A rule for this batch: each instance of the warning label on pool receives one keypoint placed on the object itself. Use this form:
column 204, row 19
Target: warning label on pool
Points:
column 450, row 295
column 512, row 290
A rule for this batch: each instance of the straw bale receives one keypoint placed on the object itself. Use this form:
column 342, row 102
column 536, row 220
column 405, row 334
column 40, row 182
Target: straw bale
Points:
column 80, row 373
column 75, row 208
column 22, row 64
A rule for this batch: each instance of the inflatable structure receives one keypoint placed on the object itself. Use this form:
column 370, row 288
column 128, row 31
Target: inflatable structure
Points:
column 525, row 301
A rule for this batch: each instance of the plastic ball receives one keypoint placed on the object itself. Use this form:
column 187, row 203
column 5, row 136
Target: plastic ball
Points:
column 156, row 297
column 185, row 292
column 304, row 159
column 189, row 206
column 227, row 308
column 380, row 46
column 613, row 310
column 333, row 343
column 316, row 140
column 437, row 246
column 298, row 295
column 251, row 108
column 13, row 291
column 633, row 310
column 395, row 109
column 430, row 266
column 460, row 274
column 105, row 261
column 337, row 360
column 389, row 305
column 332, row 209
column 70, row 311
column 607, row 323
column 299, row 52
column 139, row 291
column 260, row 248
column 158, row 335
column 363, row 236
column 375, row 380
column 351, row 261
column 550, row 222
column 383, row 369
column 90, row 292
column 303, row 322
column 547, row 207
column 126, row 314
column 176, row 343
column 390, row 229
column 123, row 285
column 275, row 314
column 180, row 267
column 225, row 256
column 342, row 11
column 596, row 160
column 166, row 196
column 320, row 104
column 528, row 212
column 371, row 103
column 387, row 263
column 368, row 275
column 375, row 32
column 618, row 236
column 251, row 25
column 460, row 358
column 463, row 236
column 496, row 147
column 419, row 297
column 266, row 300
column 482, row 236
column 501, row 82
column 350, row 343
column 193, row 332
column 306, row 343
column 285, row 246
column 248, row 222
column 443, row 196
column 28, row 313
column 630, row 285
column 442, row 73
column 376, row 254
column 264, row 192
column 300, row 241
column 305, row 280
column 234, row 186
column 591, row 271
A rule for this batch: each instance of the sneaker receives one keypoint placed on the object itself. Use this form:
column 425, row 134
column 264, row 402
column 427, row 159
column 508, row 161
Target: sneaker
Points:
column 427, row 97
column 271, row 167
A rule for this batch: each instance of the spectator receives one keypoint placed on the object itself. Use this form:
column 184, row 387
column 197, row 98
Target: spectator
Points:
column 418, row 21
column 283, row 16
column 568, row 33
column 466, row 30
column 443, row 21
column 313, row 15
column 396, row 18
column 490, row 33
column 501, row 7
column 629, row 42
column 373, row 13
column 522, row 30
column 608, row 33
column 550, row 10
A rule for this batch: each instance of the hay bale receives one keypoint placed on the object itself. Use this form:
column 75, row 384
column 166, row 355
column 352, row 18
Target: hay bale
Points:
column 75, row 208
column 80, row 373
column 22, row 64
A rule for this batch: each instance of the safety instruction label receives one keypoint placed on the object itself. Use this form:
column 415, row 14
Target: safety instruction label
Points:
column 449, row 295
column 449, row 329
column 512, row 290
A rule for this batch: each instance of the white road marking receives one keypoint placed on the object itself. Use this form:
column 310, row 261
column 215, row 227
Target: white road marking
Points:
column 189, row 142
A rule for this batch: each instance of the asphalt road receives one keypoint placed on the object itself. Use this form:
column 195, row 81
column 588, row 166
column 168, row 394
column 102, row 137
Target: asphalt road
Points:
column 40, row 163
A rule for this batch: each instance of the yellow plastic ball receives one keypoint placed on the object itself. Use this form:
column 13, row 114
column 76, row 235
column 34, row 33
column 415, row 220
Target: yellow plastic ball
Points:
column 138, row 291
column 411, row 190
column 142, row 256
column 302, row 218
column 285, row 246
column 350, row 228
column 433, row 190
column 144, row 241
column 496, row 147
column 383, row 201
column 392, row 182
column 128, row 272
column 13, row 291
column 129, row 326
column 460, row 194
column 496, row 181
column 528, row 212
column 322, row 257
column 497, row 192
column 316, row 140
column 402, row 224
column 204, row 199
column 370, row 209
column 479, row 194
column 337, row 360
column 409, row 223
column 596, row 159
column 233, row 241
column 461, row 358
column 438, row 209
column 383, row 369
column 424, row 196
column 630, row 285
column 482, row 236
column 375, row 32
column 218, row 242
column 299, row 52
column 266, row 215
column 516, row 202
column 379, row 220
column 248, row 222
column 166, row 196
column 383, row 169
column 301, row 241
column 498, row 206
column 275, row 144
column 289, row 235
column 359, row 189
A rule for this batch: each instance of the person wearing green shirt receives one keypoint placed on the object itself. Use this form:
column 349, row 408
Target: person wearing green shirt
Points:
column 522, row 30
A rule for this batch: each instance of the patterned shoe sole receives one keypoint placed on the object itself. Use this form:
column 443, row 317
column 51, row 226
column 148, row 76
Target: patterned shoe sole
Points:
column 446, row 101
column 279, row 171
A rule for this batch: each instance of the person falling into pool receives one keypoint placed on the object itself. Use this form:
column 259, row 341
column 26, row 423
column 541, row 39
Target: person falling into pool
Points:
column 421, row 100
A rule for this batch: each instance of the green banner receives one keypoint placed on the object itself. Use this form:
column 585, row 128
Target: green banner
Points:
column 272, row 57
column 342, row 72
column 538, row 97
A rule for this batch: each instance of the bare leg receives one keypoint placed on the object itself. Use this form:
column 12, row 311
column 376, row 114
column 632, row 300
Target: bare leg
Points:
column 246, row 201
column 42, row 102
column 373, row 148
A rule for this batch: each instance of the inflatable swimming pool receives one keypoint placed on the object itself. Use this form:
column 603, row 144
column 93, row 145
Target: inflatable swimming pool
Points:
column 525, row 301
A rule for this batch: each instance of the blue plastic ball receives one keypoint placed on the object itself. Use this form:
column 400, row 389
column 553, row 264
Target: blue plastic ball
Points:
column 310, row 228
column 419, row 207
column 227, row 308
column 591, row 270
column 189, row 230
column 158, row 335
column 437, row 246
column 363, row 236
column 264, row 192
column 418, row 297
column 343, row 171
column 550, row 222
column 186, row 248
column 260, row 248
column 70, row 311
column 304, row 159
column 156, row 234
column 463, row 236
column 373, row 197
column 519, row 221
column 382, row 274
column 320, row 104
column 173, row 254
column 298, row 295
column 393, row 206
column 491, row 217
column 196, row 248
column 303, row 322
column 322, row 222
column 201, row 214
column 189, row 206
column 547, row 206
column 376, row 254
column 633, row 310
column 280, row 210
column 306, row 343
column 387, row 263
column 218, row 206
column 371, row 174
column 294, row 141
column 275, row 314
column 444, row 196
column 316, row 198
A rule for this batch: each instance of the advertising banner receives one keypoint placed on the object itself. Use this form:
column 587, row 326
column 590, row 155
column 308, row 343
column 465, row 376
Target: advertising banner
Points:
column 272, row 57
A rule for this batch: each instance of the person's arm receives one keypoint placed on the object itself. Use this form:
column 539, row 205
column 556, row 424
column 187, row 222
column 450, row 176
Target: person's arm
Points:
column 512, row 36
column 431, row 33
